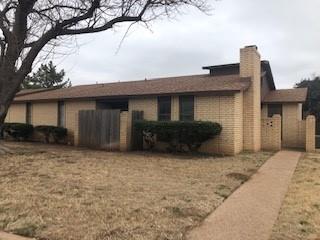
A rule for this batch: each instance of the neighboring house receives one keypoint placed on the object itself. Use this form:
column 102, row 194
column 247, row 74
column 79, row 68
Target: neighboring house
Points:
column 241, row 97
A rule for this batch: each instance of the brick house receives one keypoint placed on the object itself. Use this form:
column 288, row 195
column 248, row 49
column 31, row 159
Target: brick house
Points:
column 241, row 97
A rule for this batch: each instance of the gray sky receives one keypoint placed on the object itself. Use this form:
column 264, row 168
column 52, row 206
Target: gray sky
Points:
column 287, row 33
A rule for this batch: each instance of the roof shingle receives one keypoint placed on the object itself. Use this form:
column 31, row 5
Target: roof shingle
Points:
column 31, row 91
column 296, row 95
column 172, row 85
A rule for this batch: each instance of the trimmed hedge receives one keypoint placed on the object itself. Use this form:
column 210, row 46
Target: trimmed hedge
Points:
column 18, row 131
column 178, row 134
column 56, row 133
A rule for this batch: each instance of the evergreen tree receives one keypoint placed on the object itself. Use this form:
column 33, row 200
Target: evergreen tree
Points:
column 312, row 105
column 46, row 76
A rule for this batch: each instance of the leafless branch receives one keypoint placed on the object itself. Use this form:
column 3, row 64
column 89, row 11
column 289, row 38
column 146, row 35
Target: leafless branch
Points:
column 27, row 27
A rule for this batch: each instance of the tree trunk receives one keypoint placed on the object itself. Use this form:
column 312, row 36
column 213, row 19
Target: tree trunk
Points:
column 4, row 105
column 9, row 86
column 6, row 98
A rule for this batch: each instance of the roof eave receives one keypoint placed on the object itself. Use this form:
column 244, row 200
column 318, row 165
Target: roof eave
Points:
column 220, row 66
column 282, row 102
column 217, row 92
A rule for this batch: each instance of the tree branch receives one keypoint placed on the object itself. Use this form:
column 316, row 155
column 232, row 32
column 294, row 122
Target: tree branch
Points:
column 26, row 65
column 105, row 27
column 95, row 5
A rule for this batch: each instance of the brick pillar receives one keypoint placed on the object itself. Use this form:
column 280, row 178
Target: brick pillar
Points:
column 175, row 108
column 250, row 67
column 310, row 133
column 124, row 131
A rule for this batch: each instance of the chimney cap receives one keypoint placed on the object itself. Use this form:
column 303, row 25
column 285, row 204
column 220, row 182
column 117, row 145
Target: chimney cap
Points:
column 252, row 46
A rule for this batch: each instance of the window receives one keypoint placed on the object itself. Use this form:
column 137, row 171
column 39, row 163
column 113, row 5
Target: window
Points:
column 164, row 108
column 274, row 109
column 121, row 104
column 61, row 114
column 186, row 105
column 28, row 113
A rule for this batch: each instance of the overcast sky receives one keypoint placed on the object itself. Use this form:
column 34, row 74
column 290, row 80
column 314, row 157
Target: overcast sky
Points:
column 287, row 33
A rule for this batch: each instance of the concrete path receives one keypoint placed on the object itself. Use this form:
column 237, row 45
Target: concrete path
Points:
column 7, row 236
column 250, row 212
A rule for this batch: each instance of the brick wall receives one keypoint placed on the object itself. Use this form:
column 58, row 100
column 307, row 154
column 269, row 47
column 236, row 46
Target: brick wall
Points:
column 45, row 113
column 293, row 127
column 17, row 113
column 310, row 134
column 293, row 133
column 149, row 106
column 238, row 122
column 41, row 113
column 72, row 118
column 225, row 110
column 218, row 109
column 250, row 66
column 271, row 133
column 300, row 111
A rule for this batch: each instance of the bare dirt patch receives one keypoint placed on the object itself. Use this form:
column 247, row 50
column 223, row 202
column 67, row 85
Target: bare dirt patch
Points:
column 64, row 193
column 299, row 217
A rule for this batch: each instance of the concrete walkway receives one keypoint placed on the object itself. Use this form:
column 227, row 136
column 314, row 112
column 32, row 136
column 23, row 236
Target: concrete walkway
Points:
column 7, row 236
column 250, row 212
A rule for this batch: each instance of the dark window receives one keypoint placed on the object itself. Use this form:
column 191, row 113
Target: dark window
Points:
column 121, row 104
column 29, row 113
column 164, row 108
column 186, row 104
column 274, row 109
column 61, row 114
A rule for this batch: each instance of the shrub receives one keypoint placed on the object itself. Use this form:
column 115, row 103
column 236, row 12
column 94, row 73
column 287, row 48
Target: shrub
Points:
column 18, row 131
column 178, row 134
column 26, row 231
column 56, row 133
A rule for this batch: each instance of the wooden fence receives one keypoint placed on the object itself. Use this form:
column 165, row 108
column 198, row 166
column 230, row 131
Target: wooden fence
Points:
column 99, row 129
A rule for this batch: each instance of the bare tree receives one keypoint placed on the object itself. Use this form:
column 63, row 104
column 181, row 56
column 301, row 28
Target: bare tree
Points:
column 28, row 26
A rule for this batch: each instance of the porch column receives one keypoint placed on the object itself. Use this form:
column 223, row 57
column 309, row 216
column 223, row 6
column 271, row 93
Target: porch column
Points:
column 124, row 131
column 310, row 133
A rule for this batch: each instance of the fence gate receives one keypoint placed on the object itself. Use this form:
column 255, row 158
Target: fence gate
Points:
column 99, row 129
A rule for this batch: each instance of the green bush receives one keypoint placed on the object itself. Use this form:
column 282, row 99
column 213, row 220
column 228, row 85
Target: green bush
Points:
column 18, row 131
column 56, row 133
column 178, row 134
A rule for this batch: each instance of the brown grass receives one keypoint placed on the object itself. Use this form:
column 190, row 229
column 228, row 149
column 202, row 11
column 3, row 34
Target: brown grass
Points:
column 54, row 192
column 299, row 218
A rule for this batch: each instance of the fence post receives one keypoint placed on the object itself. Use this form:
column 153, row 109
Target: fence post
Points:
column 124, row 145
column 310, row 133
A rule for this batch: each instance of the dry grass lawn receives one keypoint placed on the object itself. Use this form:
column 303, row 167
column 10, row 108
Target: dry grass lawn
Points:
column 299, row 218
column 57, row 192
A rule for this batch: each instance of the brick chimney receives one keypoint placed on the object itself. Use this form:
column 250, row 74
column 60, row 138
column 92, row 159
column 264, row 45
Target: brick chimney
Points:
column 250, row 66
